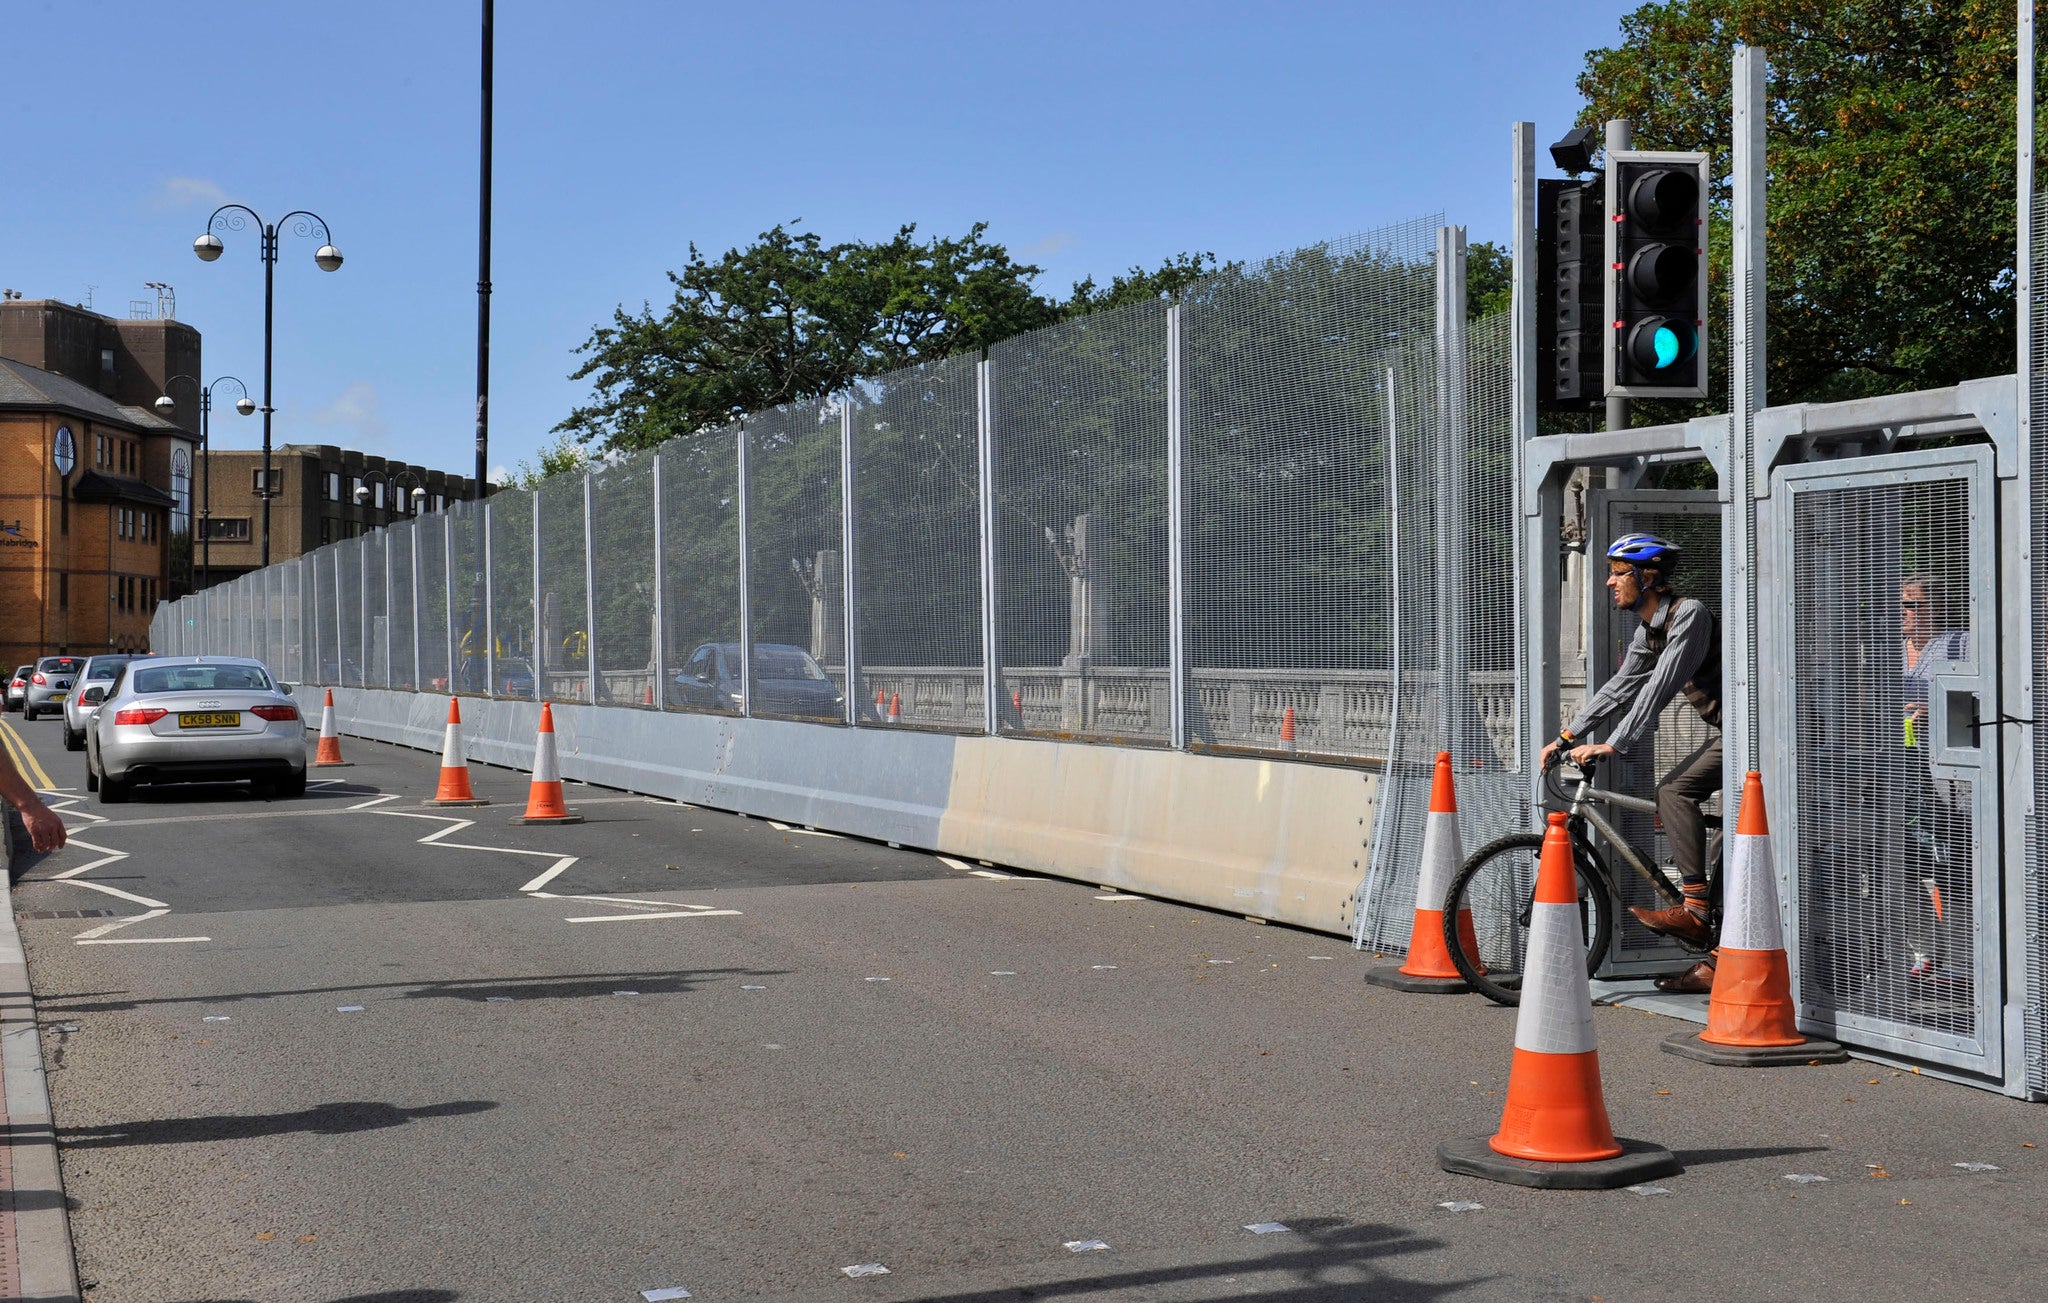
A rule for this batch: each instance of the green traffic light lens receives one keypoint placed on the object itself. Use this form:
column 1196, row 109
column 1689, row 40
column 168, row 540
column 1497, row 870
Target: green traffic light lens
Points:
column 1667, row 345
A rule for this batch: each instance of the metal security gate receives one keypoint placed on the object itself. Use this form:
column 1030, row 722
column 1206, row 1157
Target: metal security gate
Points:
column 1693, row 521
column 1886, row 653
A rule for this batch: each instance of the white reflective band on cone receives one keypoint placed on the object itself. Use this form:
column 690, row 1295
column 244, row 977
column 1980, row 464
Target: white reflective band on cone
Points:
column 1442, row 852
column 327, row 721
column 1749, row 897
column 451, row 747
column 1557, row 1006
column 545, row 769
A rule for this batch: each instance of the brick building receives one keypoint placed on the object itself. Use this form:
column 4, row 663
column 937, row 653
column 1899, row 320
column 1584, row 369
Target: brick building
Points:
column 315, row 501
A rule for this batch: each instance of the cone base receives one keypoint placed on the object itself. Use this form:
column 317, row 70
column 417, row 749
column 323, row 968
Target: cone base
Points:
column 1638, row 1161
column 548, row 818
column 334, row 764
column 474, row 800
column 1391, row 977
column 1688, row 1045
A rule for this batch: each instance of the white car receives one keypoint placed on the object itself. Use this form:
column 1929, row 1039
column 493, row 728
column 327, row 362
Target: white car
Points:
column 99, row 672
column 196, row 719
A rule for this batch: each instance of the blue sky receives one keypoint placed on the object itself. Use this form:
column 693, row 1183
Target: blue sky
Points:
column 1089, row 136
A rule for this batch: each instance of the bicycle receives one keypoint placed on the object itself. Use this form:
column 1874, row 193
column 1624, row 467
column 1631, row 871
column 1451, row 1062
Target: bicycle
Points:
column 1498, row 885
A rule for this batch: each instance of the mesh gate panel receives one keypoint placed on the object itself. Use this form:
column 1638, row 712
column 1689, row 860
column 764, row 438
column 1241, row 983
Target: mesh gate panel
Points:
column 292, row 656
column 511, row 593
column 376, row 619
column 430, row 600
column 917, row 545
column 2037, row 845
column 563, row 640
column 700, row 560
column 348, row 582
column 796, row 582
column 320, row 594
column 466, row 595
column 1886, row 874
column 1079, row 427
column 1287, row 534
column 398, row 541
column 622, row 536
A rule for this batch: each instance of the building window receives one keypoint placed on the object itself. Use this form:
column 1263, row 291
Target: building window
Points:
column 326, row 530
column 181, row 489
column 231, row 528
column 355, row 489
column 377, row 495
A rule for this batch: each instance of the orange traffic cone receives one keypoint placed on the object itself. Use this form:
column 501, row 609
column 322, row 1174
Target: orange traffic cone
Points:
column 881, row 703
column 1017, row 703
column 1554, row 1132
column 454, row 785
column 895, row 708
column 544, row 798
column 1287, row 730
column 328, row 756
column 1429, row 968
column 1751, row 1019
column 647, row 697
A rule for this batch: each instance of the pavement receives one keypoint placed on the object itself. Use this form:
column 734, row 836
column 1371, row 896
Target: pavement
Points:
column 351, row 1050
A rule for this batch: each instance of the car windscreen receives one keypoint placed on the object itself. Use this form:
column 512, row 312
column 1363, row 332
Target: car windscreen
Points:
column 785, row 663
column 103, row 669
column 59, row 664
column 198, row 678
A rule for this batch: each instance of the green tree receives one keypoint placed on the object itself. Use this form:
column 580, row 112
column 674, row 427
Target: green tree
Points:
column 564, row 454
column 1891, row 147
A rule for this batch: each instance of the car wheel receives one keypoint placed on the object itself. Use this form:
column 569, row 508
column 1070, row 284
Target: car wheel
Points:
column 74, row 740
column 289, row 787
column 114, row 791
column 92, row 775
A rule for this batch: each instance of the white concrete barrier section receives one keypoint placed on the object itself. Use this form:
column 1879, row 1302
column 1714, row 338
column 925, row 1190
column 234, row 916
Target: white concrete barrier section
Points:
column 1274, row 839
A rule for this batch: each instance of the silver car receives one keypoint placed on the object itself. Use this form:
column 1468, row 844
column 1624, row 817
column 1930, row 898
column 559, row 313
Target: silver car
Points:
column 49, row 684
column 187, row 719
column 99, row 672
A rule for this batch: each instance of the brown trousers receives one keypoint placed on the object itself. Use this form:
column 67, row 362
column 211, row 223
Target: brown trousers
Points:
column 1692, row 781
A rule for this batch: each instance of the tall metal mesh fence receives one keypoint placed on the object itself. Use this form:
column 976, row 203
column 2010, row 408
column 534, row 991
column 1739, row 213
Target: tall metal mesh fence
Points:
column 2036, row 1030
column 348, row 580
column 796, row 575
column 622, row 525
column 917, row 547
column 376, row 620
column 292, row 656
column 700, row 569
column 511, row 594
column 399, row 558
column 466, row 595
column 1079, row 421
column 430, row 544
column 563, row 639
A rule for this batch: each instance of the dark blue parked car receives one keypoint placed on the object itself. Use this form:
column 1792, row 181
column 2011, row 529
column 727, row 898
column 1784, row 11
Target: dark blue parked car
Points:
column 787, row 681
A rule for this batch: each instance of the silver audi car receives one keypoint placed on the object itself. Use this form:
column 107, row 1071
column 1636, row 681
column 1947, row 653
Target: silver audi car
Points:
column 81, row 706
column 195, row 719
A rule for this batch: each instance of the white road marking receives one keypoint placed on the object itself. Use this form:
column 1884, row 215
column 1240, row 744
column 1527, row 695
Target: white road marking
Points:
column 952, row 863
column 1120, row 896
column 991, row 873
column 373, row 801
column 141, row 941
column 614, row 918
column 108, row 855
column 103, row 929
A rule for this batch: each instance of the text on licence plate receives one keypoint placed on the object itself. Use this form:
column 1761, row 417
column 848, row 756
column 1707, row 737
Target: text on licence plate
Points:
column 210, row 719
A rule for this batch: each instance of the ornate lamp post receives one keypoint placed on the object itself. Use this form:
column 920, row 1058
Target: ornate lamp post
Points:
column 166, row 406
column 235, row 217
column 396, row 479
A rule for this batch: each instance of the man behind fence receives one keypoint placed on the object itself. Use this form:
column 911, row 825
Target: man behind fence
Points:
column 1677, row 648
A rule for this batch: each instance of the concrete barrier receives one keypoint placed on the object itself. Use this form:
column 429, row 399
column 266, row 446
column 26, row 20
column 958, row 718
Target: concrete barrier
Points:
column 1277, row 840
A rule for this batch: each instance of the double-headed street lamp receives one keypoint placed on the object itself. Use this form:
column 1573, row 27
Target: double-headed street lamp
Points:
column 230, row 217
column 166, row 407
column 396, row 479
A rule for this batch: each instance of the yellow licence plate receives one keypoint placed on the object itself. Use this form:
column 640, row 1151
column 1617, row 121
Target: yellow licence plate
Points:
column 210, row 719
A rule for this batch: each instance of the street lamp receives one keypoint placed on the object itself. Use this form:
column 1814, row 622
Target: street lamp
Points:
column 396, row 480
column 166, row 407
column 230, row 217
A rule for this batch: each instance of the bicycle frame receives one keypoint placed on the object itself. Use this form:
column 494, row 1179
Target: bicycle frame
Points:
column 1582, row 813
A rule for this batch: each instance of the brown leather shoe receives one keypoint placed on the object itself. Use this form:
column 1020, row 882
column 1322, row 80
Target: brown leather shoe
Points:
column 1697, row 980
column 1680, row 923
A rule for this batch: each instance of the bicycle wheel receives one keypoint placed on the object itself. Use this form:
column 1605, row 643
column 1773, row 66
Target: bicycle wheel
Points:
column 1498, row 885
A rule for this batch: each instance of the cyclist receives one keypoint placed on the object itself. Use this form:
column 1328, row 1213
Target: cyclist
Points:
column 1676, row 649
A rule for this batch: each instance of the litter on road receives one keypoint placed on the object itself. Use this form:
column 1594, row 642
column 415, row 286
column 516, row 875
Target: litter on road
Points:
column 660, row 1295
column 1804, row 1178
column 1461, row 1206
column 1084, row 1246
column 348, row 1008
column 877, row 979
column 497, row 999
column 1003, row 972
column 1980, row 1167
column 1647, row 1190
column 216, row 1017
column 866, row 1269
column 1266, row 1228
column 625, row 993
column 1103, row 968
column 753, row 988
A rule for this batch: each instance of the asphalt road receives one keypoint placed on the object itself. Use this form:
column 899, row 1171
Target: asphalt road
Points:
column 714, row 1054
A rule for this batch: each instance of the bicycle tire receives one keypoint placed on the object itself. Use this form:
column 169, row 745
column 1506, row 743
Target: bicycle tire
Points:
column 1497, row 884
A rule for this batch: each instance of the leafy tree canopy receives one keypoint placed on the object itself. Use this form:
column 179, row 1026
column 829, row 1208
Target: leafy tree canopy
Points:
column 790, row 317
column 1891, row 159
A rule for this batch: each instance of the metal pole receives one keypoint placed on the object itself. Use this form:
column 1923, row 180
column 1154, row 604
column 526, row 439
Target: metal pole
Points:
column 389, row 667
column 589, row 599
column 490, row 603
column 746, row 609
column 1522, row 413
column 205, row 482
column 849, row 538
column 1743, row 726
column 363, row 606
column 1620, row 135
column 659, row 651
column 414, row 677
column 310, row 602
column 339, row 676
column 269, row 302
column 1176, row 579
column 991, row 661
column 1376, row 855
column 1449, row 465
column 483, row 264
column 448, row 602
column 539, row 657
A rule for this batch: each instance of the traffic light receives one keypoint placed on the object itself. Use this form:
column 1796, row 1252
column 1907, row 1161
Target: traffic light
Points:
column 1656, row 273
column 1570, row 251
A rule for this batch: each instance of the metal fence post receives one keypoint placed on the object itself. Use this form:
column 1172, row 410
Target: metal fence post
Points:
column 658, row 654
column 1176, row 590
column 390, row 668
column 540, row 659
column 309, row 603
column 414, row 677
column 991, row 660
column 363, row 605
column 746, row 608
column 1362, row 919
column 340, row 678
column 589, row 598
column 849, row 538
column 1522, row 419
column 1455, row 709
column 1739, row 581
column 448, row 593
column 483, row 525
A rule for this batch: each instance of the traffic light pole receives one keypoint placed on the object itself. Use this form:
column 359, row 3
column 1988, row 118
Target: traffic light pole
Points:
column 1620, row 135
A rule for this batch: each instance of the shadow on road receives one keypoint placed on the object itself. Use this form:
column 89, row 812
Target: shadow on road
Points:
column 475, row 990
column 321, row 1120
column 1704, row 1157
column 391, row 1296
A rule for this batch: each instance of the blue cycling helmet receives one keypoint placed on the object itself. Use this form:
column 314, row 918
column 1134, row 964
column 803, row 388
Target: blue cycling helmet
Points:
column 1640, row 550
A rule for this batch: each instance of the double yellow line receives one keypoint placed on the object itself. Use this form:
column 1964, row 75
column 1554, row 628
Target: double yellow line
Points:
column 17, row 747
